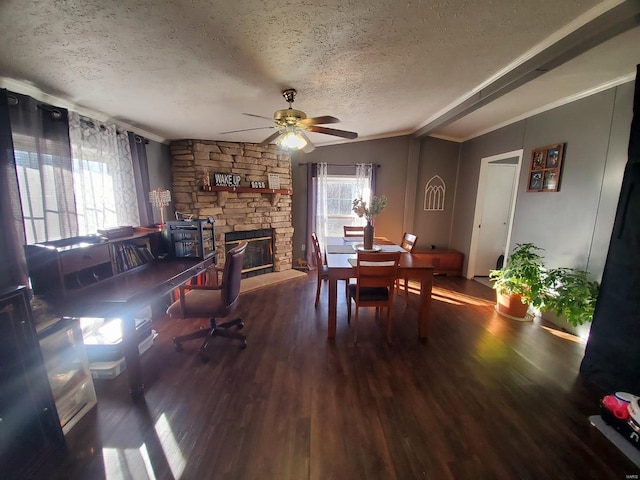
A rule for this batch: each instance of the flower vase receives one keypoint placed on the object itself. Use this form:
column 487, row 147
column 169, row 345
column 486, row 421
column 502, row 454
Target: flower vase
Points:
column 368, row 236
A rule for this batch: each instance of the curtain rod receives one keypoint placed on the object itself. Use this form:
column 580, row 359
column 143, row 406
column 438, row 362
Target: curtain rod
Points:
column 339, row 164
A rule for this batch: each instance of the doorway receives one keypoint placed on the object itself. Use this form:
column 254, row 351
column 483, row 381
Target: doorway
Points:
column 494, row 212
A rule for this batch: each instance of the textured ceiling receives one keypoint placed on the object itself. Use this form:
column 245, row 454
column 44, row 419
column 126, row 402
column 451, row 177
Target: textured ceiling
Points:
column 190, row 69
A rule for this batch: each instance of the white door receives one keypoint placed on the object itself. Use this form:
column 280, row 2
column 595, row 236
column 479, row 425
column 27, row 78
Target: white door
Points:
column 496, row 212
column 493, row 216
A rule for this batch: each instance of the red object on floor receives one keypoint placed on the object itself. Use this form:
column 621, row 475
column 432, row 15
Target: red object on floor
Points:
column 618, row 407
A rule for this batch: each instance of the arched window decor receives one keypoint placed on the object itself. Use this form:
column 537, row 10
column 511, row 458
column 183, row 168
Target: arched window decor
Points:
column 434, row 192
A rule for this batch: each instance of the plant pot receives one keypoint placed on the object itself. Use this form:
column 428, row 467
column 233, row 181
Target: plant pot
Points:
column 511, row 306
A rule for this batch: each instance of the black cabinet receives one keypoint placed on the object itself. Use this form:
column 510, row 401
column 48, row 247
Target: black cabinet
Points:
column 191, row 238
column 30, row 433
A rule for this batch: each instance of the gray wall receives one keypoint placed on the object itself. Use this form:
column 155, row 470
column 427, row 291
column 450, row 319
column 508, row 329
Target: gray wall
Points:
column 504, row 140
column 437, row 157
column 159, row 161
column 574, row 224
column 390, row 153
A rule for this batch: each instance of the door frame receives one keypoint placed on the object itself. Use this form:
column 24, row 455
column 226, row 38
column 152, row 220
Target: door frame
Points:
column 480, row 196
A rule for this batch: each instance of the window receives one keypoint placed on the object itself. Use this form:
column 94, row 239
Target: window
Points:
column 94, row 188
column 45, row 209
column 103, row 175
column 341, row 190
column 103, row 189
column 74, row 175
column 333, row 195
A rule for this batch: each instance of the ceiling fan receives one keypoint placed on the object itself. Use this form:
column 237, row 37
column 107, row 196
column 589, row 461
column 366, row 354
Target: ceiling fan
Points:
column 292, row 125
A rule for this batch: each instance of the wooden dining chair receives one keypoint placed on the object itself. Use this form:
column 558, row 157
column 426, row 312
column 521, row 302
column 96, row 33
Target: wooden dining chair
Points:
column 323, row 273
column 375, row 284
column 409, row 241
column 353, row 231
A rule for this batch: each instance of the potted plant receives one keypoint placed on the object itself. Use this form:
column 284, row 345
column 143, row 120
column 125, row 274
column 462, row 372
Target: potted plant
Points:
column 519, row 283
column 570, row 294
column 361, row 209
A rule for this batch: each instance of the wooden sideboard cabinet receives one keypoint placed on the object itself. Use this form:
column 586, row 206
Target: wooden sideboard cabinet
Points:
column 445, row 261
column 63, row 267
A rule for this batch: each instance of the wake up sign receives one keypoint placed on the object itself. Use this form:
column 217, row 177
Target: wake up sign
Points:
column 226, row 180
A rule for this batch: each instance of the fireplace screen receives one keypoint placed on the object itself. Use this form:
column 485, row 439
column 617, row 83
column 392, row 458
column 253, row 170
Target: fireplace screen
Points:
column 258, row 257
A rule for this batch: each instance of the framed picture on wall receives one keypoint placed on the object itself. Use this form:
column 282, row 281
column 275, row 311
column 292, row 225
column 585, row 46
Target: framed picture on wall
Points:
column 544, row 172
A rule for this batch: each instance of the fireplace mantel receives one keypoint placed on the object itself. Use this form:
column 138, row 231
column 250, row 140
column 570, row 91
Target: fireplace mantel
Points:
column 282, row 191
column 223, row 193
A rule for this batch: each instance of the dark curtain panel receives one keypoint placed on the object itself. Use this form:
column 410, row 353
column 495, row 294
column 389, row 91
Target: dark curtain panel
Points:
column 312, row 191
column 374, row 176
column 42, row 154
column 612, row 354
column 12, row 231
column 141, row 173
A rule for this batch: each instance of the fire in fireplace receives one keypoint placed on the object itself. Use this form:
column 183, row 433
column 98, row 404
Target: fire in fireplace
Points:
column 258, row 258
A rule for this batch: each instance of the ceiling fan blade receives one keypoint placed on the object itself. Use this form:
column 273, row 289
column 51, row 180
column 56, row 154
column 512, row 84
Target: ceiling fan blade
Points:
column 270, row 139
column 245, row 130
column 258, row 116
column 332, row 131
column 319, row 120
column 309, row 147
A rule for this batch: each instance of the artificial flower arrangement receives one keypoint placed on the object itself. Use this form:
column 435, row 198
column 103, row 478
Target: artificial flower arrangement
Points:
column 376, row 207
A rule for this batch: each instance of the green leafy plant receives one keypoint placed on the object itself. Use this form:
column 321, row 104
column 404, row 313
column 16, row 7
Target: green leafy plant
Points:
column 376, row 207
column 570, row 294
column 567, row 292
column 522, row 275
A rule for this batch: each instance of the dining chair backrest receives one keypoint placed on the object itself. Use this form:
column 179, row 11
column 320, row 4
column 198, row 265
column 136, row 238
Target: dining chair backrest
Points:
column 377, row 270
column 353, row 231
column 321, row 267
column 376, row 274
column 409, row 241
column 317, row 251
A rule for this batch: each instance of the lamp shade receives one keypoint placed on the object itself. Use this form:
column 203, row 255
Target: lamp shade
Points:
column 291, row 139
column 159, row 198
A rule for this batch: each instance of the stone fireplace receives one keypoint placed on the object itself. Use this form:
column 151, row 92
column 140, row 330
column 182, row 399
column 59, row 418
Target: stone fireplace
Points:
column 247, row 207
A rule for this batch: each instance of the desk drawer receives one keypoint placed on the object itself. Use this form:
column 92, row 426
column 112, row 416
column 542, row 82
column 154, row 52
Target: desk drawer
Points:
column 79, row 259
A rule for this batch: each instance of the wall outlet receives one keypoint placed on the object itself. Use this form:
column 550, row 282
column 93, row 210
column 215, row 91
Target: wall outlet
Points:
column 303, row 247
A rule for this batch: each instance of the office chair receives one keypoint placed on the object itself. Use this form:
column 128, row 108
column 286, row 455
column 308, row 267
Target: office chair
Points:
column 375, row 284
column 213, row 302
column 409, row 241
column 351, row 231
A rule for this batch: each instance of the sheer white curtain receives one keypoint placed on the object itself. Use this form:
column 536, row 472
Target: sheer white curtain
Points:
column 322, row 213
column 363, row 186
column 103, row 175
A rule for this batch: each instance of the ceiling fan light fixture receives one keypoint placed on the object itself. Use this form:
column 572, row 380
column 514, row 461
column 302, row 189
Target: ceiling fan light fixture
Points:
column 292, row 125
column 290, row 139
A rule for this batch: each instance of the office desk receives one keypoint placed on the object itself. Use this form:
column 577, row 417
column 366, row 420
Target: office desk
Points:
column 123, row 296
column 412, row 266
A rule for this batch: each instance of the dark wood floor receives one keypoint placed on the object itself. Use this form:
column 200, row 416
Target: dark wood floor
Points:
column 484, row 398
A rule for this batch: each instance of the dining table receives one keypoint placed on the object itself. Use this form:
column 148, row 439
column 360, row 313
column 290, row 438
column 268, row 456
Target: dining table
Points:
column 341, row 253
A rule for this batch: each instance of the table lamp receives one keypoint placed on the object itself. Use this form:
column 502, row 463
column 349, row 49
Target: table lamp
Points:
column 160, row 198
